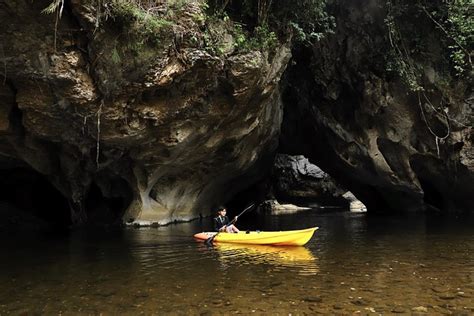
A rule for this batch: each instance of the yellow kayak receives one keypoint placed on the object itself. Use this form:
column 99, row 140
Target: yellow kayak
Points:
column 278, row 238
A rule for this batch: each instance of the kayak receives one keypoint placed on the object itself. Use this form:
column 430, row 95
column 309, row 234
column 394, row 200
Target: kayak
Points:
column 275, row 238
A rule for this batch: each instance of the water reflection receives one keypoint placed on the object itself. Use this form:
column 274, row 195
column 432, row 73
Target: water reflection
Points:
column 353, row 264
column 300, row 259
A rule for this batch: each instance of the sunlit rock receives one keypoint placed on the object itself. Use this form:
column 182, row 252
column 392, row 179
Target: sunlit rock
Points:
column 274, row 207
column 355, row 204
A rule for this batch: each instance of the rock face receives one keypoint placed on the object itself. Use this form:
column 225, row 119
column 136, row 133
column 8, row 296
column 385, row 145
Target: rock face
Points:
column 170, row 128
column 296, row 179
column 354, row 204
column 394, row 148
column 159, row 121
column 275, row 208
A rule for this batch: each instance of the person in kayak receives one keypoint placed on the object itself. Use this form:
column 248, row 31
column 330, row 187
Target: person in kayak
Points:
column 221, row 222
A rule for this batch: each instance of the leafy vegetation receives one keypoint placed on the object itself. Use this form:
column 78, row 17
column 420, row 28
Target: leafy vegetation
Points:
column 254, row 24
column 460, row 25
column 148, row 23
column 407, row 22
column 220, row 26
column 308, row 20
column 399, row 58
column 414, row 44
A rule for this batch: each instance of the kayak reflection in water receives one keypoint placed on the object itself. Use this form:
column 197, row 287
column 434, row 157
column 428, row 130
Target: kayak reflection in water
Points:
column 299, row 258
column 221, row 222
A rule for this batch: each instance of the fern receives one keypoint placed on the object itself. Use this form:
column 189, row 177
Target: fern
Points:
column 53, row 7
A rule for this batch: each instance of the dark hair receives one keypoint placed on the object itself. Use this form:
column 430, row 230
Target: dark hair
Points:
column 220, row 208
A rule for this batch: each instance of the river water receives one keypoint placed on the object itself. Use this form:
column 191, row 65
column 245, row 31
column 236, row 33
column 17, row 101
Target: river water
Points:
column 354, row 264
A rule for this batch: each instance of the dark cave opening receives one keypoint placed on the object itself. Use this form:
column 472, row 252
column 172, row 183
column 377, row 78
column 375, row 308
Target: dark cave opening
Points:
column 304, row 131
column 250, row 192
column 29, row 199
column 432, row 196
column 255, row 194
column 30, row 192
column 106, row 209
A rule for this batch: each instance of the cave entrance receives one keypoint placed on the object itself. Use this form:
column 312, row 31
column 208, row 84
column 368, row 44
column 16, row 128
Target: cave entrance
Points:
column 293, row 180
column 431, row 195
column 105, row 209
column 255, row 194
column 30, row 192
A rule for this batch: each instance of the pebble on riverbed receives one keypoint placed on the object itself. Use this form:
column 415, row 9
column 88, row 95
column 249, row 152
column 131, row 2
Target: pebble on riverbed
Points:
column 313, row 299
column 420, row 309
column 398, row 310
column 447, row 296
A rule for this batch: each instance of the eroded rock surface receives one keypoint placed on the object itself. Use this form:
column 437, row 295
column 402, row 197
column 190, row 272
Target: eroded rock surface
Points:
column 170, row 129
column 394, row 148
column 160, row 126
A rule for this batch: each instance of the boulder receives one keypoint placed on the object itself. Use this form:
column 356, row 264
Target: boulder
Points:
column 296, row 179
column 275, row 208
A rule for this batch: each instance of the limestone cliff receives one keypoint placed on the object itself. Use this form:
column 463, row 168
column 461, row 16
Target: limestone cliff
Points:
column 119, row 112
column 395, row 148
column 163, row 123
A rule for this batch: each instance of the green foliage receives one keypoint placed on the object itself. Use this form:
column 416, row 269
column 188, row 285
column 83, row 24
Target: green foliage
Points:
column 408, row 72
column 176, row 5
column 460, row 26
column 262, row 39
column 240, row 37
column 146, row 20
column 115, row 56
column 148, row 27
column 201, row 16
column 219, row 27
column 410, row 31
column 214, row 37
column 398, row 59
column 307, row 19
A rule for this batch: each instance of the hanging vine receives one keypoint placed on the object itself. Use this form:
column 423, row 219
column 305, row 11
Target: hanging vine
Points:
column 99, row 112
column 57, row 6
column 437, row 138
column 402, row 62
column 456, row 27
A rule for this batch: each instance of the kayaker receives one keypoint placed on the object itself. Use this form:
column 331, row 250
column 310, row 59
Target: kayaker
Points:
column 221, row 222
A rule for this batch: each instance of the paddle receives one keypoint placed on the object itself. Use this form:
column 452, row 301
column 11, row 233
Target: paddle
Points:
column 211, row 239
